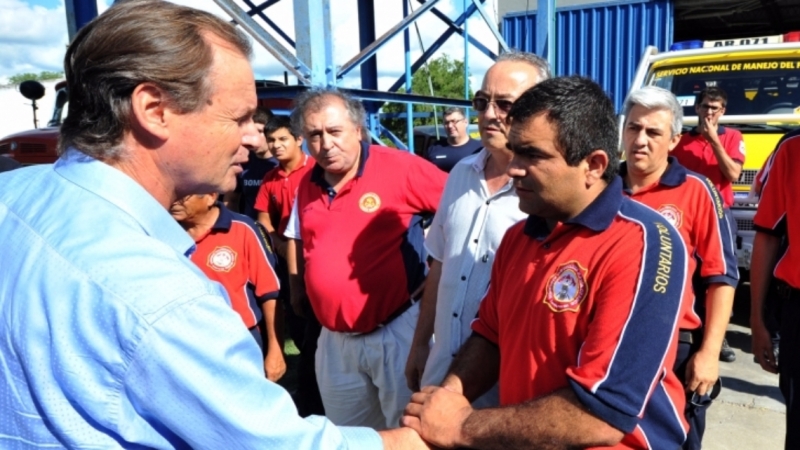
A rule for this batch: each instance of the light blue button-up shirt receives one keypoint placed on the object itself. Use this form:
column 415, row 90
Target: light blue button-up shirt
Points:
column 110, row 337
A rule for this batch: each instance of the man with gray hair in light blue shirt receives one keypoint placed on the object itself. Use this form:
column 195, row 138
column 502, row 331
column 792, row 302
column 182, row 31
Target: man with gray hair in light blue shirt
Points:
column 110, row 337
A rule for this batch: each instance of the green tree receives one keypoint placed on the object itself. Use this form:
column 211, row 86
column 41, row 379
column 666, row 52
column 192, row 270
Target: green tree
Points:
column 41, row 76
column 447, row 78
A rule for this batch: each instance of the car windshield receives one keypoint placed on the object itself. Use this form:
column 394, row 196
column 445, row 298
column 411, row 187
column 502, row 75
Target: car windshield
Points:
column 753, row 86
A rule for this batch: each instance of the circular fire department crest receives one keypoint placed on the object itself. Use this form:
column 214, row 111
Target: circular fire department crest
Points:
column 672, row 214
column 222, row 259
column 370, row 202
column 566, row 289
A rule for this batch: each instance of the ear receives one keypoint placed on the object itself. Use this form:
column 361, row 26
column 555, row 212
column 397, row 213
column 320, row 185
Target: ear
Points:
column 673, row 142
column 149, row 107
column 596, row 163
column 299, row 141
column 211, row 199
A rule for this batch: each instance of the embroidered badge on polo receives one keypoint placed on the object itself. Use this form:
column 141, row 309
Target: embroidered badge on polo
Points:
column 566, row 289
column 370, row 202
column 672, row 214
column 222, row 259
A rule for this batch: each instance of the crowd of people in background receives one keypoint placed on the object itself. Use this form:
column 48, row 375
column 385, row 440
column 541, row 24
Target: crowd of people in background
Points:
column 539, row 288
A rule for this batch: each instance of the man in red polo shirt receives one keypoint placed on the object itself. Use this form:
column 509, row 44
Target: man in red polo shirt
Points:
column 357, row 227
column 274, row 205
column 279, row 187
column 715, row 152
column 691, row 203
column 580, row 321
column 776, row 220
column 232, row 251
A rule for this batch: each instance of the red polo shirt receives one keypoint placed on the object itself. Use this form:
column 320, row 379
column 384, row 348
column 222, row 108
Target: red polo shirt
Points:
column 694, row 152
column 277, row 192
column 594, row 304
column 779, row 207
column 363, row 247
column 692, row 205
column 234, row 254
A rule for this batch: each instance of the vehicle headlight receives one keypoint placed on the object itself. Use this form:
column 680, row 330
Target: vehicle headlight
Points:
column 13, row 146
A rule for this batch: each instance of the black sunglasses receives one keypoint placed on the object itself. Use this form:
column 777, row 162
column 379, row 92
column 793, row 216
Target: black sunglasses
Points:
column 481, row 104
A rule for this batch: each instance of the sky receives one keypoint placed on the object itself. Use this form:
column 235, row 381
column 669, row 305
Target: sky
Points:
column 33, row 36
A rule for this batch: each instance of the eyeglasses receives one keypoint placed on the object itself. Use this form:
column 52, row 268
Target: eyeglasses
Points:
column 452, row 122
column 481, row 104
column 708, row 107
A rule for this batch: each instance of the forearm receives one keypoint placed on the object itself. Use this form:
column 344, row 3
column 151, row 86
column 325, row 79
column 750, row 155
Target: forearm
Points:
column 475, row 369
column 719, row 303
column 765, row 253
column 730, row 168
column 427, row 306
column 558, row 421
column 263, row 219
column 273, row 312
column 295, row 266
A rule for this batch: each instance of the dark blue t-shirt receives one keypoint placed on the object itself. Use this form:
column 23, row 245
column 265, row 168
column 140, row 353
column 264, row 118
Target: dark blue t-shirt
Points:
column 445, row 156
column 249, row 181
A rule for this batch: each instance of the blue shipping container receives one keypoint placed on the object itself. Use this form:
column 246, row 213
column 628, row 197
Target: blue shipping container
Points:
column 603, row 41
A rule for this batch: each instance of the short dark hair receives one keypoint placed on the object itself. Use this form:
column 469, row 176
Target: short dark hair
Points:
column 454, row 110
column 275, row 123
column 262, row 115
column 582, row 114
column 135, row 42
column 712, row 93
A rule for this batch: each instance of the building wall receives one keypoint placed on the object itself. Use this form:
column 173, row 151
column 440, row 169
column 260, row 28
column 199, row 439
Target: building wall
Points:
column 521, row 6
column 604, row 41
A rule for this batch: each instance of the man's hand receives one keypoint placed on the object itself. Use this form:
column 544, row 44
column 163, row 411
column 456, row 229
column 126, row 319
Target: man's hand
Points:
column 402, row 439
column 438, row 415
column 415, row 365
column 708, row 128
column 762, row 346
column 702, row 372
column 274, row 366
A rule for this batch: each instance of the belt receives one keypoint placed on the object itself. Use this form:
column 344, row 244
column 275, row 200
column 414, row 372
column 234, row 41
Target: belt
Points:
column 399, row 311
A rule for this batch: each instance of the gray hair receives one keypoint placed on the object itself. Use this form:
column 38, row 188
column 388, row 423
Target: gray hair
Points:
column 653, row 97
column 533, row 59
column 454, row 110
column 135, row 42
column 313, row 100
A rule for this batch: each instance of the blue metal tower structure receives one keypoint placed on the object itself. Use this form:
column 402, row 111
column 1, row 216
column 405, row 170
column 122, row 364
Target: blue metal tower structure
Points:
column 309, row 55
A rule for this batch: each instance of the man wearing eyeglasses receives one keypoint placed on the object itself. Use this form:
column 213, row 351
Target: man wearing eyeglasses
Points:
column 478, row 205
column 716, row 152
column 458, row 144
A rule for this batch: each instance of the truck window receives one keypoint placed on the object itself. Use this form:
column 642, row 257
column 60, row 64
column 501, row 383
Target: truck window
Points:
column 753, row 86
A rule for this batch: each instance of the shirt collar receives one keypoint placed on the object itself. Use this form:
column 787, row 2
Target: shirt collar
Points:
column 224, row 219
column 126, row 194
column 596, row 217
column 720, row 130
column 285, row 174
column 675, row 175
column 479, row 164
column 318, row 173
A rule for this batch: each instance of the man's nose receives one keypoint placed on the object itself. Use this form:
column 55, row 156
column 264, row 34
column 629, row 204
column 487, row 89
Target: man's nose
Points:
column 513, row 169
column 250, row 136
column 326, row 140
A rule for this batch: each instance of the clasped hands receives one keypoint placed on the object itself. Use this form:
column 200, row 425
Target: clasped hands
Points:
column 438, row 414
